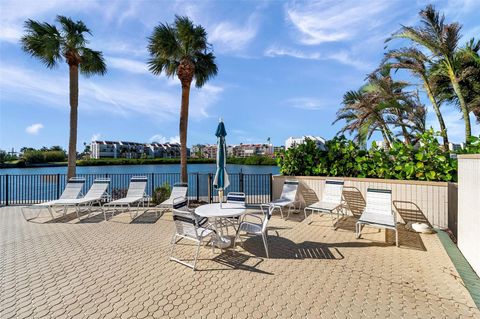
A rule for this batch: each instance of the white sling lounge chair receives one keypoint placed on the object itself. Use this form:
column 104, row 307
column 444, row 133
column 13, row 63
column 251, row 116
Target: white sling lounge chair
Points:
column 135, row 196
column 95, row 195
column 378, row 212
column 331, row 201
column 72, row 190
column 288, row 198
column 188, row 226
column 178, row 190
column 234, row 198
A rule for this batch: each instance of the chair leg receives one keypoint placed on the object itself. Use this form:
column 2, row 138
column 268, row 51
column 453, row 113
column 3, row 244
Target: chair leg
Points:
column 264, row 237
column 396, row 237
column 281, row 211
column 357, row 230
column 196, row 256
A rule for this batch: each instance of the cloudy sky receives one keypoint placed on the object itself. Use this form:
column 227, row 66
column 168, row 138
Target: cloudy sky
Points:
column 283, row 68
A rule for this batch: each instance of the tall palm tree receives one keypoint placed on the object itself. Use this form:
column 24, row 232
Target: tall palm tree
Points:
column 51, row 45
column 182, row 49
column 415, row 61
column 441, row 40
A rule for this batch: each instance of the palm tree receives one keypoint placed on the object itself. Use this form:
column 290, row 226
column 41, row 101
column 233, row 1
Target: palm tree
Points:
column 182, row 49
column 402, row 108
column 441, row 40
column 51, row 45
column 364, row 116
column 415, row 61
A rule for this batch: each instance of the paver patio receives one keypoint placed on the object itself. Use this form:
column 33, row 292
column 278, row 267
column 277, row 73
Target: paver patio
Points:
column 97, row 269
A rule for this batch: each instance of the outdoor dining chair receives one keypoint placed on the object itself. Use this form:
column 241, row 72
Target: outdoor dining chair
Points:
column 234, row 198
column 72, row 190
column 190, row 227
column 258, row 229
column 378, row 212
column 288, row 198
column 331, row 201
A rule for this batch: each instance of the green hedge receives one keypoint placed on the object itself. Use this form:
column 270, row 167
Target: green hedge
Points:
column 427, row 161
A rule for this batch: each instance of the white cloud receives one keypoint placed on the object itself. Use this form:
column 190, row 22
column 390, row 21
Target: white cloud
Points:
column 342, row 56
column 115, row 97
column 306, row 103
column 228, row 37
column 332, row 21
column 129, row 65
column 96, row 137
column 34, row 129
column 164, row 139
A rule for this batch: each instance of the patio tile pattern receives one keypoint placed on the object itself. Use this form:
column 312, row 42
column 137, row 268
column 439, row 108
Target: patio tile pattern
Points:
column 118, row 269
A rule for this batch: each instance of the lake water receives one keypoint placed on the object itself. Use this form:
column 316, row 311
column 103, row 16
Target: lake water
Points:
column 143, row 169
column 30, row 185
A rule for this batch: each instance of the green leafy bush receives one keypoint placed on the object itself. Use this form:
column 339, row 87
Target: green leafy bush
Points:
column 427, row 161
column 472, row 147
column 161, row 193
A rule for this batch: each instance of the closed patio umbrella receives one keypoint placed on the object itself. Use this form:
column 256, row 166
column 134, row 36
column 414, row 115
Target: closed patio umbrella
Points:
column 221, row 177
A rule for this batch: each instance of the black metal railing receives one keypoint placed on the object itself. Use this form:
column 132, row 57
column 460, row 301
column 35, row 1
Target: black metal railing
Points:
column 31, row 189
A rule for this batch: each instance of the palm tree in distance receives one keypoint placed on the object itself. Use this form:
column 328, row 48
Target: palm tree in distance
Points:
column 442, row 41
column 51, row 45
column 415, row 61
column 182, row 49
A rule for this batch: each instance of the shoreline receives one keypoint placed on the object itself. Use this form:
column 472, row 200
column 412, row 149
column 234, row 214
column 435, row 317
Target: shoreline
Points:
column 256, row 160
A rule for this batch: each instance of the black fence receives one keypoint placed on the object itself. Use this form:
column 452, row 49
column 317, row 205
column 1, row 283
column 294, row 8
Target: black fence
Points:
column 31, row 189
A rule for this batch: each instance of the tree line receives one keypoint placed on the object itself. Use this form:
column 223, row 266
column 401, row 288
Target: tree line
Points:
column 448, row 72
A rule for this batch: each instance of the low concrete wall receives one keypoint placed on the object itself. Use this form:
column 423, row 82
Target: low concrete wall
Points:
column 469, row 208
column 414, row 201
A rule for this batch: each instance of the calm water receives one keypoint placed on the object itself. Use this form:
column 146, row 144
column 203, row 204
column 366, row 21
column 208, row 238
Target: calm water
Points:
column 29, row 185
column 143, row 169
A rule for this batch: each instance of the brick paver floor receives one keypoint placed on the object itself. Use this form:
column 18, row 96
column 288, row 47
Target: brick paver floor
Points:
column 117, row 269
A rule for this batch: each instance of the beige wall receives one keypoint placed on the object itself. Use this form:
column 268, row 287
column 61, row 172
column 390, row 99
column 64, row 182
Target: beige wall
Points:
column 469, row 208
column 412, row 200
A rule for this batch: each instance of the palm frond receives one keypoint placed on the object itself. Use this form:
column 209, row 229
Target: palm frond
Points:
column 92, row 62
column 43, row 41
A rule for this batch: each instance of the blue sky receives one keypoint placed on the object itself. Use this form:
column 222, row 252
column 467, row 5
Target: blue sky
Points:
column 283, row 68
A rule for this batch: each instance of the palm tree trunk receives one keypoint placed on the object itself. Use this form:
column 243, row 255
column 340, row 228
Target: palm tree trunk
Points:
column 436, row 107
column 406, row 136
column 72, row 144
column 183, row 131
column 463, row 105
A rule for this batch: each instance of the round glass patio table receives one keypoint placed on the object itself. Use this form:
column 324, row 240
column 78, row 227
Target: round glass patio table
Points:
column 216, row 211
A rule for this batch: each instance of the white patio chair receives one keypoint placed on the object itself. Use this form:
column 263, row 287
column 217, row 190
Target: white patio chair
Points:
column 135, row 195
column 259, row 229
column 190, row 227
column 72, row 190
column 288, row 198
column 178, row 190
column 95, row 195
column 234, row 198
column 331, row 201
column 378, row 212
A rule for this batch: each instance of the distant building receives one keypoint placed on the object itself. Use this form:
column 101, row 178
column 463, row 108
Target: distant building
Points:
column 453, row 147
column 381, row 145
column 122, row 149
column 294, row 141
column 241, row 150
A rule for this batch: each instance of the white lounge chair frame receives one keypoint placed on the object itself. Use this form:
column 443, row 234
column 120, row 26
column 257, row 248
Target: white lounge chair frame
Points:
column 178, row 190
column 331, row 201
column 288, row 198
column 187, row 226
column 95, row 195
column 259, row 229
column 72, row 190
column 236, row 198
column 135, row 195
column 378, row 212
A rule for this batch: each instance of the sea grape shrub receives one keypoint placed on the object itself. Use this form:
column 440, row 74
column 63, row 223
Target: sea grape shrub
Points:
column 425, row 161
column 472, row 147
column 161, row 194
